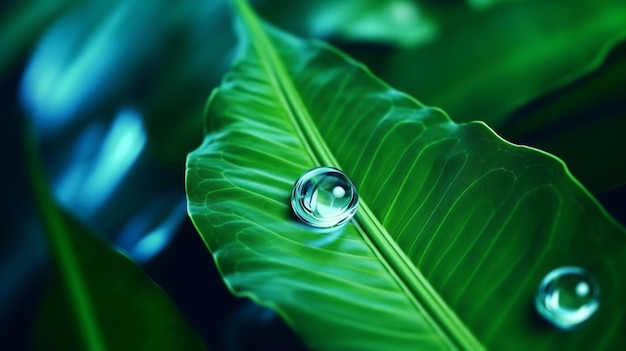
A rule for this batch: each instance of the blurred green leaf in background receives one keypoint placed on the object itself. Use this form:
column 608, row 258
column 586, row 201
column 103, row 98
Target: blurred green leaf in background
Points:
column 99, row 299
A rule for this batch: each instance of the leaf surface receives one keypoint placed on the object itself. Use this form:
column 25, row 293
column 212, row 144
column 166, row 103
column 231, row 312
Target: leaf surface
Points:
column 484, row 64
column 455, row 230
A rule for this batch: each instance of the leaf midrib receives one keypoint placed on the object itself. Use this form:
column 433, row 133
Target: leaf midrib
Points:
column 395, row 261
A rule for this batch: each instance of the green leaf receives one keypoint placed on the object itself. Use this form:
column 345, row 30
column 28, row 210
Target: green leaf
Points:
column 484, row 64
column 455, row 229
column 583, row 123
column 99, row 299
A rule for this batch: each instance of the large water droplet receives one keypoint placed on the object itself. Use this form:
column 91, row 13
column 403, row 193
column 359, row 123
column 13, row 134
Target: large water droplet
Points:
column 324, row 197
column 567, row 297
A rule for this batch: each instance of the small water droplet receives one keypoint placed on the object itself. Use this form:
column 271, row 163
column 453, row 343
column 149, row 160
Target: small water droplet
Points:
column 324, row 197
column 567, row 297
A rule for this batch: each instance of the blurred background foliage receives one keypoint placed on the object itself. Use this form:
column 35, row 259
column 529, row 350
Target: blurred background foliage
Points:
column 112, row 94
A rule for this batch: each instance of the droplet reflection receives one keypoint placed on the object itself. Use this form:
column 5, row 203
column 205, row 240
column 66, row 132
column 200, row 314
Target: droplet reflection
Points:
column 567, row 297
column 324, row 197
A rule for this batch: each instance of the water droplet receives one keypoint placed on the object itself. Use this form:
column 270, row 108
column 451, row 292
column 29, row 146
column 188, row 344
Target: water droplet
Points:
column 324, row 197
column 567, row 297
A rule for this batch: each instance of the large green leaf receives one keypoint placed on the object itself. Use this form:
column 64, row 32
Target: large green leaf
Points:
column 484, row 64
column 99, row 299
column 455, row 229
